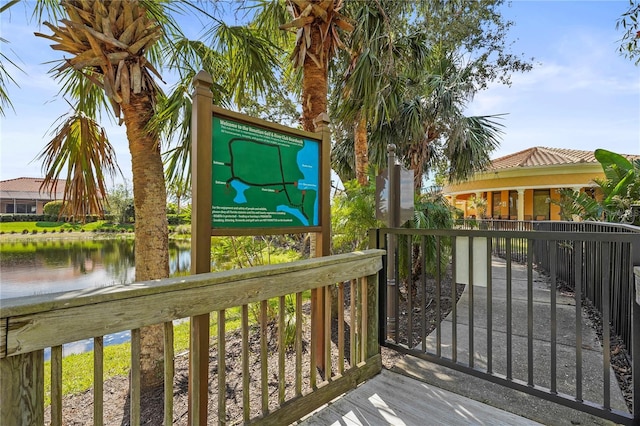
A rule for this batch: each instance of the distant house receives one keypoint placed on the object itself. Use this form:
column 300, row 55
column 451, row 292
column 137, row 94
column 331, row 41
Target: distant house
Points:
column 24, row 196
column 520, row 186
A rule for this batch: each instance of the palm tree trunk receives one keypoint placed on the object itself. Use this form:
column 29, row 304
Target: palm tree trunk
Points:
column 314, row 82
column 361, row 149
column 151, row 227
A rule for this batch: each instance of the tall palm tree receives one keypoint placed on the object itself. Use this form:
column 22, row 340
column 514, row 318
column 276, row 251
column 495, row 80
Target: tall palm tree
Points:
column 379, row 52
column 439, row 137
column 317, row 24
column 114, row 46
column 432, row 30
column 110, row 44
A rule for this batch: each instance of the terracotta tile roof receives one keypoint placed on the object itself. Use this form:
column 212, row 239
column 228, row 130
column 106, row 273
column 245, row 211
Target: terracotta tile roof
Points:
column 542, row 156
column 29, row 188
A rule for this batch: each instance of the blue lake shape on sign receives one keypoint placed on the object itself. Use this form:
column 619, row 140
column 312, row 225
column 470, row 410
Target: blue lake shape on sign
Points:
column 240, row 187
column 294, row 212
column 308, row 164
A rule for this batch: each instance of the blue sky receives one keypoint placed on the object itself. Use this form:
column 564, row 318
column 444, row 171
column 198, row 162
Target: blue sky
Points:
column 581, row 93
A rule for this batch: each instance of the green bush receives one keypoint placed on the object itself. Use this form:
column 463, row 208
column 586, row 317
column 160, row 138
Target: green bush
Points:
column 7, row 218
column 352, row 215
column 178, row 219
column 53, row 209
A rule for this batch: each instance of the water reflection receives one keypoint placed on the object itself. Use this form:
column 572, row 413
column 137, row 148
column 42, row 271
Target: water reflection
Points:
column 39, row 267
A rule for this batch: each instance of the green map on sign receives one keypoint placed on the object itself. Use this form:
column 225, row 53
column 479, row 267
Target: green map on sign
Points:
column 262, row 178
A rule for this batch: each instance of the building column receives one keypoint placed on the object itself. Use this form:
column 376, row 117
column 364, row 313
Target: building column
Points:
column 521, row 204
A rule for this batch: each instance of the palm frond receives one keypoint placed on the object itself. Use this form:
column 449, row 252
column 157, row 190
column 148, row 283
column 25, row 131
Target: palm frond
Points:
column 81, row 148
column 470, row 145
column 5, row 80
column 251, row 59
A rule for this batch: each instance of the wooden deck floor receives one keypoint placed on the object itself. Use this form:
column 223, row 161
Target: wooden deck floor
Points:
column 394, row 399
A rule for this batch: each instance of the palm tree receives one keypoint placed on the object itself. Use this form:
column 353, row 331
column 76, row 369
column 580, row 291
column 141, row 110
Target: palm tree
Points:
column 379, row 53
column 437, row 133
column 413, row 104
column 318, row 24
column 110, row 44
column 113, row 47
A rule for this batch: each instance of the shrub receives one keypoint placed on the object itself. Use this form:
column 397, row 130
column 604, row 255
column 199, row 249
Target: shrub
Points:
column 7, row 218
column 53, row 209
column 179, row 219
column 183, row 229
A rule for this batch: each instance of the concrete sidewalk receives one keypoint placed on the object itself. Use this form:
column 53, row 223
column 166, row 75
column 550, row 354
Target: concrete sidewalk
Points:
column 499, row 396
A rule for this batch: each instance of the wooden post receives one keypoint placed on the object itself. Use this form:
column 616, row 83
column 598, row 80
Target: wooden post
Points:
column 201, row 131
column 373, row 326
column 22, row 389
column 323, row 238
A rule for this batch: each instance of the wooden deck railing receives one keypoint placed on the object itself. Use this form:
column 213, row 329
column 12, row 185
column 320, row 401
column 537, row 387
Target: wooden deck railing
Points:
column 29, row 325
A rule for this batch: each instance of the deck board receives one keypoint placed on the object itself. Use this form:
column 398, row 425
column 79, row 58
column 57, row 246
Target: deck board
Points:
column 394, row 399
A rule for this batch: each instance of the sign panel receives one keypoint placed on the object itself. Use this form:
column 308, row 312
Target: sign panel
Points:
column 407, row 206
column 384, row 196
column 263, row 178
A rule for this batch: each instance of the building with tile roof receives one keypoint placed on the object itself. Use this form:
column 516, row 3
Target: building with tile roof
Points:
column 520, row 186
column 25, row 196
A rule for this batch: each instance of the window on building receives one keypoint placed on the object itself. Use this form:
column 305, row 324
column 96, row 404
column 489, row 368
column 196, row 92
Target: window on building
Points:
column 20, row 208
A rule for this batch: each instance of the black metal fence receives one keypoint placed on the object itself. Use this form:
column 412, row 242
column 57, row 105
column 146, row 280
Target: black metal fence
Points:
column 458, row 304
column 613, row 259
column 594, row 265
column 499, row 244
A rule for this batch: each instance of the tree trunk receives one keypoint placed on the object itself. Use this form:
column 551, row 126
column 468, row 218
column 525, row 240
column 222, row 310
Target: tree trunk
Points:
column 361, row 149
column 314, row 82
column 151, row 227
column 314, row 92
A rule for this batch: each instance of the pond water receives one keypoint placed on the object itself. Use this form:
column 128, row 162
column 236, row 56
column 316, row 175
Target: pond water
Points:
column 50, row 266
column 38, row 267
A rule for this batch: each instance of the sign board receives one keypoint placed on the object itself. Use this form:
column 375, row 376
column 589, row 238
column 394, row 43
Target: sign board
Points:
column 263, row 177
column 407, row 206
column 404, row 202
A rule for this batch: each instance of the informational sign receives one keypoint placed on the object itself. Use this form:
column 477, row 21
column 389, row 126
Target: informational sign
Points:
column 263, row 178
column 403, row 193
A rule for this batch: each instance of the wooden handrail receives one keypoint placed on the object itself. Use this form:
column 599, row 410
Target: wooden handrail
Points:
column 30, row 324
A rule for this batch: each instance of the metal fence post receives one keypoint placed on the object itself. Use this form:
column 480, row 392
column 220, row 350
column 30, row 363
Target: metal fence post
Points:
column 635, row 327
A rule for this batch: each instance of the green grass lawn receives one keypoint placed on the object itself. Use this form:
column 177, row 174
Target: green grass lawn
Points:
column 59, row 227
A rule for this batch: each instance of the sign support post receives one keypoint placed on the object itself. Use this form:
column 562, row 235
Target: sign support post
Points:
column 252, row 177
column 323, row 242
column 201, row 129
column 392, row 211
